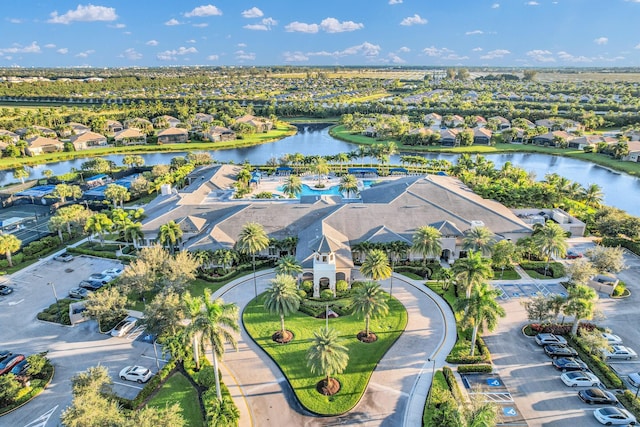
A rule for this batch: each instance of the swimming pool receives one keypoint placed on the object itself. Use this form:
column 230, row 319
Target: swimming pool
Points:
column 310, row 191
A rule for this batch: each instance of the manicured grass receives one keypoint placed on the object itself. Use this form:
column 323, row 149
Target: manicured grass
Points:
column 535, row 275
column 179, row 390
column 508, row 274
column 292, row 359
column 411, row 275
column 439, row 391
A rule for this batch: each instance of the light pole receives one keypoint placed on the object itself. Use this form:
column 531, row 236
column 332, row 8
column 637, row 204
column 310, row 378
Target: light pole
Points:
column 55, row 295
column 433, row 374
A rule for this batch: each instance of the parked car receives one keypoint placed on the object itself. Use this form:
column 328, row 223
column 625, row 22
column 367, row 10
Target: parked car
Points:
column 5, row 290
column 113, row 272
column 102, row 278
column 92, row 285
column 4, row 354
column 79, row 293
column 64, row 257
column 612, row 415
column 619, row 352
column 566, row 364
column 544, row 339
column 7, row 364
column 138, row 374
column 597, row 395
column 573, row 255
column 580, row 379
column 122, row 328
column 611, row 338
column 634, row 379
column 20, row 368
column 559, row 350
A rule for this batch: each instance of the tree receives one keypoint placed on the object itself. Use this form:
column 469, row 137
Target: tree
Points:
column 369, row 301
column 8, row 245
column 348, row 184
column 471, row 271
column 606, row 259
column 118, row 194
column 98, row 224
column 376, row 265
column 426, row 241
column 478, row 239
column 530, row 74
column 252, row 240
column 292, row 187
column 443, row 277
column 481, row 308
column 327, row 355
column 225, row 258
column 581, row 303
column 106, row 307
column 163, row 315
column 593, row 195
column 538, row 308
column 21, row 173
column 133, row 233
column 504, row 253
column 282, row 299
column 193, row 307
column 62, row 191
column 9, row 389
column 170, row 235
column 320, row 168
column 594, row 341
column 580, row 271
column 216, row 322
column 552, row 241
column 288, row 265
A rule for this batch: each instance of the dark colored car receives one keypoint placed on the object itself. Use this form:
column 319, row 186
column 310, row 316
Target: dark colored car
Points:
column 20, row 368
column 7, row 364
column 597, row 395
column 566, row 364
column 5, row 290
column 573, row 255
column 558, row 350
column 92, row 285
column 4, row 354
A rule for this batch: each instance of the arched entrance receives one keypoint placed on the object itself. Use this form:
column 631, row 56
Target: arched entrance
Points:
column 340, row 276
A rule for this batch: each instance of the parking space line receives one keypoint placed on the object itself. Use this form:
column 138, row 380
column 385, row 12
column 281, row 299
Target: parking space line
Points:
column 153, row 358
column 128, row 385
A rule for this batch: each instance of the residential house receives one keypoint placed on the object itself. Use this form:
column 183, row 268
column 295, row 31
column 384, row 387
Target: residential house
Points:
column 78, row 128
column 590, row 141
column 559, row 124
column 131, row 136
column 219, row 133
column 481, row 136
column 634, row 152
column 455, row 121
column 433, row 120
column 501, row 122
column 88, row 140
column 550, row 138
column 203, row 118
column 260, row 123
column 172, row 136
column 46, row 132
column 449, row 137
column 170, row 120
column 138, row 123
column 41, row 144
column 114, row 126
column 480, row 121
column 6, row 134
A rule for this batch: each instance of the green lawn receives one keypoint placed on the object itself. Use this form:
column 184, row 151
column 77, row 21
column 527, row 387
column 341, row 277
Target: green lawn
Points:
column 439, row 392
column 179, row 390
column 508, row 274
column 291, row 357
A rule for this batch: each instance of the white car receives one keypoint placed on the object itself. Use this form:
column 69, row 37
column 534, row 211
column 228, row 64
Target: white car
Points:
column 580, row 379
column 544, row 339
column 634, row 379
column 138, row 374
column 113, row 272
column 612, row 415
column 611, row 338
column 124, row 327
column 619, row 352
column 100, row 277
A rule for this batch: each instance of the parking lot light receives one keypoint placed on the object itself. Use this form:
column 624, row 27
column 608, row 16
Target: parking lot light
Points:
column 55, row 295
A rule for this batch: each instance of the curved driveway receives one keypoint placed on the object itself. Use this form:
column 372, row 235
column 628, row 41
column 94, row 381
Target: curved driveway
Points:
column 398, row 386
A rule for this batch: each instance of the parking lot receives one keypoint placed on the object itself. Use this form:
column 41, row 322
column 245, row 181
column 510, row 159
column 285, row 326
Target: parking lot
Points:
column 71, row 349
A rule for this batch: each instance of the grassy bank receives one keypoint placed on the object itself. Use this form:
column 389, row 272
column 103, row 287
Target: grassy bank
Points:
column 179, row 390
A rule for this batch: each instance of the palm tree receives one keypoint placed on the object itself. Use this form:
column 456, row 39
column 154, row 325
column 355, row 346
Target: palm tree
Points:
column 170, row 235
column 369, row 301
column 593, row 195
column 98, row 224
column 443, row 277
column 8, row 245
column 362, row 248
column 395, row 249
column 289, row 265
column 225, row 258
column 321, row 168
column 478, row 239
column 471, row 271
column 481, row 308
column 292, row 187
column 216, row 322
column 551, row 240
column 348, row 184
column 133, row 233
column 376, row 265
column 193, row 307
column 327, row 355
column 581, row 303
column 252, row 240
column 282, row 299
column 426, row 241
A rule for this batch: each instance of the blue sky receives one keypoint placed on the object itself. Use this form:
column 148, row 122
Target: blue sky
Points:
column 115, row 33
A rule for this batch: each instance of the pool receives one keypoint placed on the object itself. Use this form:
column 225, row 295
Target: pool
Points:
column 310, row 191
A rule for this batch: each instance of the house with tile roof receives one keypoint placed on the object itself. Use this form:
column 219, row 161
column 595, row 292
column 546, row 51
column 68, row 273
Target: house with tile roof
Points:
column 130, row 136
column 6, row 134
column 88, row 140
column 449, row 137
column 41, row 144
column 173, row 136
column 114, row 126
column 169, row 120
column 481, row 136
column 260, row 123
column 634, row 152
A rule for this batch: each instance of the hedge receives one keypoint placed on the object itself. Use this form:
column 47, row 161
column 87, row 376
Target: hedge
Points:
column 453, row 384
column 555, row 268
column 633, row 246
column 100, row 254
column 629, row 400
column 480, row 368
column 240, row 270
column 596, row 364
column 483, row 357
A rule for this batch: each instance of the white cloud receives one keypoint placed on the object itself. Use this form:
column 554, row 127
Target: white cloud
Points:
column 477, row 49
column 171, row 22
column 63, row 51
column 413, row 20
column 366, row 49
column 301, row 27
column 495, row 6
column 88, row 13
column 190, row 41
column 637, row 46
column 404, row 49
column 540, row 55
column 434, row 51
column 85, row 54
column 49, row 46
column 18, row 48
column 201, row 25
column 532, row 3
column 295, row 57
column 172, row 55
column 497, row 53
column 15, row 20
column 601, row 40
column 242, row 45
column 565, row 56
column 200, row 11
column 241, row 55
column 118, row 26
column 266, row 25
column 213, row 57
column 131, row 54
column 332, row 25
column 395, row 1
column 473, row 33
column 396, row 59
column 254, row 12
column 152, row 43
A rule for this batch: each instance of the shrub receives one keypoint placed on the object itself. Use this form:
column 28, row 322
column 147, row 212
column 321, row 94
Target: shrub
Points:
column 609, row 378
column 50, row 314
column 302, row 294
column 306, row 286
column 619, row 289
column 554, row 271
column 342, row 286
column 620, row 241
column 206, row 377
column 631, row 402
column 151, row 386
column 356, row 285
column 326, row 295
column 453, row 384
column 479, row 368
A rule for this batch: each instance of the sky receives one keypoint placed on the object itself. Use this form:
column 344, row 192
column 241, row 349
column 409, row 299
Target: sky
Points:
column 150, row 33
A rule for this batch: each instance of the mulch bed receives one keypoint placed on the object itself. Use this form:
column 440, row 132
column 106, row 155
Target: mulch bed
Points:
column 328, row 389
column 282, row 339
column 363, row 337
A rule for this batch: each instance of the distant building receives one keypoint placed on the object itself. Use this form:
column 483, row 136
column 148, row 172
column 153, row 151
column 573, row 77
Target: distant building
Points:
column 172, row 136
column 40, row 144
column 88, row 140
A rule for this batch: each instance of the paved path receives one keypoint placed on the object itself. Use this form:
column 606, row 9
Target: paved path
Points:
column 398, row 386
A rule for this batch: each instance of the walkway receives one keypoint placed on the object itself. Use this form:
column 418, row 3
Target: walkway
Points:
column 398, row 386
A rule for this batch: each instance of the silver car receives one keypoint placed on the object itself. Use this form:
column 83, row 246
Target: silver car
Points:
column 124, row 327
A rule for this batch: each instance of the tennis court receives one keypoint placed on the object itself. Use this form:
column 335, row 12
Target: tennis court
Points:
column 27, row 222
